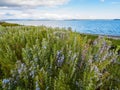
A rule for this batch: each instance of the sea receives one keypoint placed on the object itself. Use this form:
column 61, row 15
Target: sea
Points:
column 101, row 27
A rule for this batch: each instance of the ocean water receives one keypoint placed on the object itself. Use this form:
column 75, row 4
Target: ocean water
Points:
column 102, row 27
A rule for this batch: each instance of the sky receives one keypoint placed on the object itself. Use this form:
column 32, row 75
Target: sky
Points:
column 59, row 9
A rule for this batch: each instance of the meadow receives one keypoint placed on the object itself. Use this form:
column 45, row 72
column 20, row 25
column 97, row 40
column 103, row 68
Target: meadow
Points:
column 45, row 58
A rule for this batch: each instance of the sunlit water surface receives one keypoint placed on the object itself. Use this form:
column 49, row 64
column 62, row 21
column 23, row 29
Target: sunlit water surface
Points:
column 103, row 27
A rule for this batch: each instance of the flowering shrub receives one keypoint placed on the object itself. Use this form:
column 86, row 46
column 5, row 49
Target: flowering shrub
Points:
column 41, row 58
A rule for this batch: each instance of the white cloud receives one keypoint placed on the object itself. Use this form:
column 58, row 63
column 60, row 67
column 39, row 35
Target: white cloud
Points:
column 22, row 9
column 26, row 3
column 58, row 14
column 36, row 14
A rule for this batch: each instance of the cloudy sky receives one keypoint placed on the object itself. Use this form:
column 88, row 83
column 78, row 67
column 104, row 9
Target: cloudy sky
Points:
column 59, row 9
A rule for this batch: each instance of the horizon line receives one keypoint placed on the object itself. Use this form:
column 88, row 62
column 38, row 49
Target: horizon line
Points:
column 59, row 19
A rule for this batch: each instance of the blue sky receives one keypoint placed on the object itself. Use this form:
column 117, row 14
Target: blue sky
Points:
column 59, row 9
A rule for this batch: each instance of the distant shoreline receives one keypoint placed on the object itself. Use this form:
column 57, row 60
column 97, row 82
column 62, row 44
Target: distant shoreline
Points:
column 108, row 36
column 52, row 19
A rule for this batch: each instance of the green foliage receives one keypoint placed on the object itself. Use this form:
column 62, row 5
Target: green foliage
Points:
column 5, row 24
column 115, row 41
column 1, row 28
column 44, row 58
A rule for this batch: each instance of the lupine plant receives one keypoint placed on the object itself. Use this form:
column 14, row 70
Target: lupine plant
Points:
column 45, row 58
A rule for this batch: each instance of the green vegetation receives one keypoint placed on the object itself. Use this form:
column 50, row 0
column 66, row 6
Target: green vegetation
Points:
column 5, row 24
column 44, row 58
column 2, row 28
column 115, row 42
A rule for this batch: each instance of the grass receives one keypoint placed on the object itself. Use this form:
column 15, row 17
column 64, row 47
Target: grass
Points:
column 45, row 58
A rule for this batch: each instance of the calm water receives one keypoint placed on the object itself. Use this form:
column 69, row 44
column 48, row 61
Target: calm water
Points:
column 104, row 27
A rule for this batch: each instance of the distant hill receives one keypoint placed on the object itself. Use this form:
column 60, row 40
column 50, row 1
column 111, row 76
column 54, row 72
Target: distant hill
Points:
column 116, row 19
column 25, row 19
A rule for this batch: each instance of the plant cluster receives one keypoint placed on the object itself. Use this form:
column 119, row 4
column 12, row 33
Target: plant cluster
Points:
column 44, row 58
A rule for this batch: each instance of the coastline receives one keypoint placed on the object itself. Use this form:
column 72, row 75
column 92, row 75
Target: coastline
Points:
column 4, row 24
